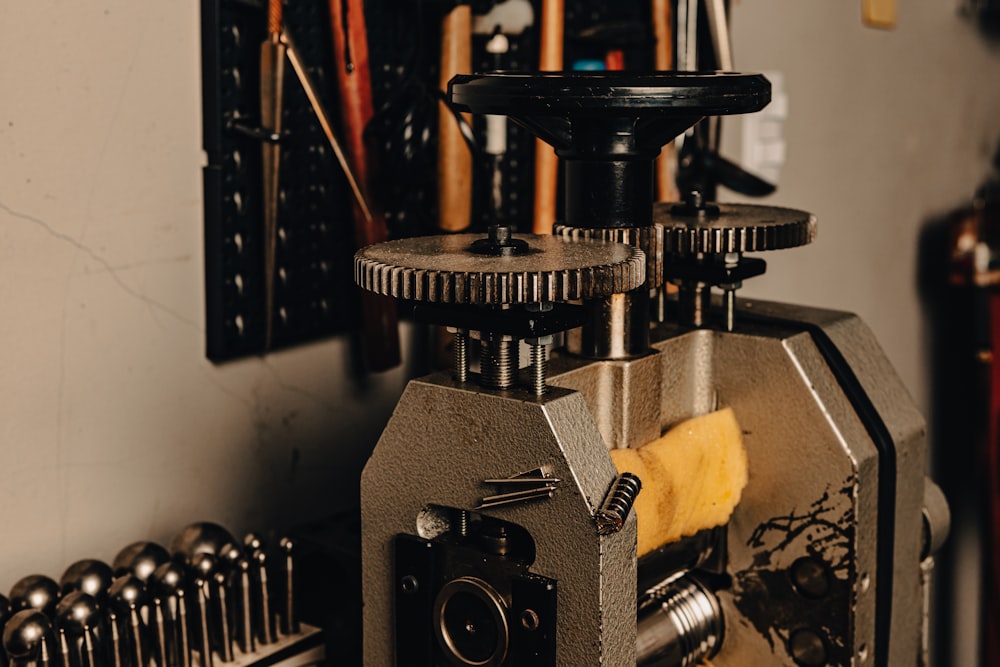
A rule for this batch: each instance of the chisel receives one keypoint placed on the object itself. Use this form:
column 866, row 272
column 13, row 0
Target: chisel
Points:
column 272, row 82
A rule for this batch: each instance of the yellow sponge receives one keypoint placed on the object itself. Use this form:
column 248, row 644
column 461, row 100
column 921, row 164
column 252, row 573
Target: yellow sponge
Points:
column 692, row 478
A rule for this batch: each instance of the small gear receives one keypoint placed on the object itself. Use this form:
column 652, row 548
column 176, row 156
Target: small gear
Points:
column 446, row 269
column 735, row 228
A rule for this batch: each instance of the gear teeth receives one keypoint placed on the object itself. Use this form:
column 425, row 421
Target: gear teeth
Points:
column 648, row 239
column 440, row 269
column 738, row 228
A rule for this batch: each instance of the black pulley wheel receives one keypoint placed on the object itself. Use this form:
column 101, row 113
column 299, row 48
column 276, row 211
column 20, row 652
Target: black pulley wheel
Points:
column 608, row 93
column 608, row 127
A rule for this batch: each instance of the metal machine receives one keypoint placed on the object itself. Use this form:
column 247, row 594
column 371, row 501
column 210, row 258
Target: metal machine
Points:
column 496, row 529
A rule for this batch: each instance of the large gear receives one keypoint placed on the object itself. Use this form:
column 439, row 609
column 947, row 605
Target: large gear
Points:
column 648, row 239
column 445, row 269
column 736, row 228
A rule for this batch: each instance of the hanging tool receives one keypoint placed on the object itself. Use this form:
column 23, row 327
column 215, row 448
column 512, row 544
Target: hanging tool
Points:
column 272, row 83
column 350, row 41
column 546, row 162
column 666, row 163
column 454, row 158
column 298, row 66
column 505, row 20
column 701, row 168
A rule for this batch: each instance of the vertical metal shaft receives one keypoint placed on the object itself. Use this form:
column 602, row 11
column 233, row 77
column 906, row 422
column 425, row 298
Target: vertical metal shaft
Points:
column 462, row 356
column 183, row 642
column 205, row 646
column 498, row 361
column 247, row 641
column 116, row 642
column 160, row 625
column 135, row 621
column 266, row 635
column 539, row 368
column 732, row 260
column 225, row 634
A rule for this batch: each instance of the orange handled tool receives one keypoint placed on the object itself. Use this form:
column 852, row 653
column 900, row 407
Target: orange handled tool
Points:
column 454, row 158
column 350, row 42
column 546, row 161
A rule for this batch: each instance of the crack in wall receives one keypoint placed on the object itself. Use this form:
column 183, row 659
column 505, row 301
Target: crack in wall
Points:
column 112, row 271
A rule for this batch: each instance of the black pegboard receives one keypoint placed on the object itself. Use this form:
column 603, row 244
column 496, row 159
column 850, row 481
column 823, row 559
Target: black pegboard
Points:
column 313, row 285
column 314, row 291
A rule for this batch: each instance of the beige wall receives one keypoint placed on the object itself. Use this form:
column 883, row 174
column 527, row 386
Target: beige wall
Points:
column 113, row 425
column 886, row 131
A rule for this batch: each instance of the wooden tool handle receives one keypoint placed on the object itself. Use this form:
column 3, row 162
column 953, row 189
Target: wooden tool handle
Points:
column 666, row 163
column 274, row 11
column 546, row 162
column 454, row 158
column 350, row 43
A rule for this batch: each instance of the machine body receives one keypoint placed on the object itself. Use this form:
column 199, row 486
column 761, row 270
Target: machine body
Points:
column 803, row 551
column 497, row 530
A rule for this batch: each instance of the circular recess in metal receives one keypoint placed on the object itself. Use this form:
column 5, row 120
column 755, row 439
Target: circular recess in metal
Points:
column 736, row 228
column 442, row 269
column 559, row 93
column 649, row 239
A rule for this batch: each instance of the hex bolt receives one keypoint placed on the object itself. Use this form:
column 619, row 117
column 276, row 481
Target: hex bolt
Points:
column 807, row 648
column 409, row 584
column 810, row 577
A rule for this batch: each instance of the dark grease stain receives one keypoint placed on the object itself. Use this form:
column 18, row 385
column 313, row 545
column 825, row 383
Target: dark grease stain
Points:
column 767, row 597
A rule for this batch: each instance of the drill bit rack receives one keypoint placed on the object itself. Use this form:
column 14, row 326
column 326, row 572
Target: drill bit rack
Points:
column 208, row 600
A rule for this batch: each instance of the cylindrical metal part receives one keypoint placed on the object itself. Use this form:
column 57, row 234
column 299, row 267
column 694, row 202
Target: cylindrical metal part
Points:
column 609, row 193
column 681, row 626
column 617, row 327
column 729, row 299
column 497, row 361
column 694, row 303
